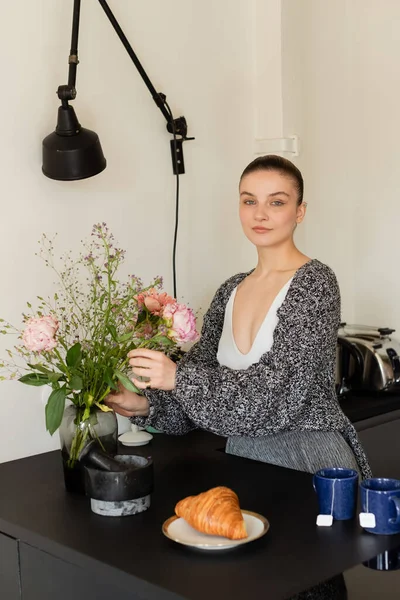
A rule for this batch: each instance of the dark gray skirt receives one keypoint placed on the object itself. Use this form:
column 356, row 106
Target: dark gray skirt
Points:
column 306, row 451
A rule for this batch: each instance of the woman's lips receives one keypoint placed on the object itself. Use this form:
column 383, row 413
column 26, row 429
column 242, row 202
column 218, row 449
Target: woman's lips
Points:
column 261, row 229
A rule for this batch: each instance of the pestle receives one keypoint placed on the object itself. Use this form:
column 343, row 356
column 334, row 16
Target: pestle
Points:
column 93, row 456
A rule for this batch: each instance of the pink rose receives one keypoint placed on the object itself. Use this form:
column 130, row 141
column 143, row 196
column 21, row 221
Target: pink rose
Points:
column 181, row 322
column 39, row 334
column 153, row 301
column 152, row 304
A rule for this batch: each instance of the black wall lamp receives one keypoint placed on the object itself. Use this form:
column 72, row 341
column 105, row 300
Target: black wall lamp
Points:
column 72, row 152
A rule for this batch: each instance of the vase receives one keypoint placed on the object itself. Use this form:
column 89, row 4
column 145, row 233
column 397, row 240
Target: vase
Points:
column 76, row 433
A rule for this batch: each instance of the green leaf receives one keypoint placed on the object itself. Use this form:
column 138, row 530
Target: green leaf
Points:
column 112, row 329
column 125, row 337
column 103, row 407
column 163, row 339
column 142, row 317
column 34, row 379
column 88, row 399
column 55, row 409
column 40, row 368
column 74, row 355
column 53, row 377
column 108, row 378
column 76, row 383
column 126, row 382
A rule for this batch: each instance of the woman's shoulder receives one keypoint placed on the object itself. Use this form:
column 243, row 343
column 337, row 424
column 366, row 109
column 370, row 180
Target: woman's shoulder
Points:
column 316, row 273
column 229, row 284
column 224, row 291
column 315, row 281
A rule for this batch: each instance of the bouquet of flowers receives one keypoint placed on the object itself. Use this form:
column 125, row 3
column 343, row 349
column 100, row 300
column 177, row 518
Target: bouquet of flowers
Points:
column 77, row 341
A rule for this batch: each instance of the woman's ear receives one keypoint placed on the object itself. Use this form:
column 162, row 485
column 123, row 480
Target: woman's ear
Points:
column 301, row 211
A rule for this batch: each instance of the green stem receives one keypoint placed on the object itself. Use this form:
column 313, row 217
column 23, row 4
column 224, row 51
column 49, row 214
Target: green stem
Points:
column 108, row 390
column 83, row 430
column 106, row 315
column 56, row 352
column 98, row 439
column 78, row 443
column 66, row 289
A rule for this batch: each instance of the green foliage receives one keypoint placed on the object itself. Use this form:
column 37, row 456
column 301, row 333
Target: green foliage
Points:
column 98, row 318
column 35, row 379
column 55, row 409
column 126, row 382
column 74, row 356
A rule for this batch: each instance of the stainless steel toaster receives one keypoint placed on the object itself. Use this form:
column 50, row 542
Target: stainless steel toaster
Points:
column 367, row 359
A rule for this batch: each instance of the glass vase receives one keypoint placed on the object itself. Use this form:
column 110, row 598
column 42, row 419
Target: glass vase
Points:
column 76, row 433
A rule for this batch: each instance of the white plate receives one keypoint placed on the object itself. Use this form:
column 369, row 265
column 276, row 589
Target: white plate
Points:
column 178, row 530
column 141, row 443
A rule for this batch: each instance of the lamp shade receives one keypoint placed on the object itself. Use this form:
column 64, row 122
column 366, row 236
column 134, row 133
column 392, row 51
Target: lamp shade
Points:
column 71, row 152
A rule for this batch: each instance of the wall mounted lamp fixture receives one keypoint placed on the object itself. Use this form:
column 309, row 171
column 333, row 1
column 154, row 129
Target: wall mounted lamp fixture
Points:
column 72, row 152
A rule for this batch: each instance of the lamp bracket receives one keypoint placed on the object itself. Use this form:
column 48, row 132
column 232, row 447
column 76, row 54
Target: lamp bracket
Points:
column 178, row 126
column 66, row 92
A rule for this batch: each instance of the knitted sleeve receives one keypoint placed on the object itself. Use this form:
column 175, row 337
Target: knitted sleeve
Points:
column 165, row 411
column 165, row 414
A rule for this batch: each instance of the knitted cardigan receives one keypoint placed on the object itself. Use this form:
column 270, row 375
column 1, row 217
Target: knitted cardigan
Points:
column 291, row 388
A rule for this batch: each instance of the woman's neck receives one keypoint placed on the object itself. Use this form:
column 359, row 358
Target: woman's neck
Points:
column 282, row 258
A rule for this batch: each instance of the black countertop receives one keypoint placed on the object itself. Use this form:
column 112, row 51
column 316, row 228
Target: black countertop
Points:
column 132, row 553
column 360, row 406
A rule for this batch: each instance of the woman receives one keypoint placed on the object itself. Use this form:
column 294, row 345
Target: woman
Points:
column 263, row 372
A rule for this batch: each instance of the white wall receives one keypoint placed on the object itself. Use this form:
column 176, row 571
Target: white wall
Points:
column 237, row 70
column 341, row 85
column 201, row 55
column 316, row 99
column 374, row 54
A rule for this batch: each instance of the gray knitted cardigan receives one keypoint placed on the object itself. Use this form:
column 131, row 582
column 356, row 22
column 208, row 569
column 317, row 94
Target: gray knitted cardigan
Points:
column 291, row 388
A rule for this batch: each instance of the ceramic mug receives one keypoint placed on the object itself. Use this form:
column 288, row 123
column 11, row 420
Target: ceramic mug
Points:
column 336, row 489
column 381, row 497
column 386, row 561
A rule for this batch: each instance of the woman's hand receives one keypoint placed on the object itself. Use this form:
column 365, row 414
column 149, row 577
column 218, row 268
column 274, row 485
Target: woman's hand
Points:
column 160, row 369
column 128, row 404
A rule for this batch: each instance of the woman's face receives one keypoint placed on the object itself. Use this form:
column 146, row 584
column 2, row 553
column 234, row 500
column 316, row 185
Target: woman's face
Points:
column 269, row 211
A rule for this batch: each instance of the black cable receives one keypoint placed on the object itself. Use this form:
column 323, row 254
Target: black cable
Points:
column 176, row 127
column 176, row 201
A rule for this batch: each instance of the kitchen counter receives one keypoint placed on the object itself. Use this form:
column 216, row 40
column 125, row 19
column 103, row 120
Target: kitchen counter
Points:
column 360, row 406
column 53, row 546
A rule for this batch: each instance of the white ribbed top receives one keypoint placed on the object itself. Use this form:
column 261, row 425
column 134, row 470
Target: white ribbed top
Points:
column 229, row 354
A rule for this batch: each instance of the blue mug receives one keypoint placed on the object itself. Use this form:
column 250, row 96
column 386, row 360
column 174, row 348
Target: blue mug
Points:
column 381, row 497
column 386, row 561
column 337, row 492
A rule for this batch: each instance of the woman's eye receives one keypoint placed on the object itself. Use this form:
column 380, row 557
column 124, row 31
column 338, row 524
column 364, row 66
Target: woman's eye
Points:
column 249, row 202
column 277, row 203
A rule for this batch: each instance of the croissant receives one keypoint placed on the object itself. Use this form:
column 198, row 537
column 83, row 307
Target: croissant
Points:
column 216, row 512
